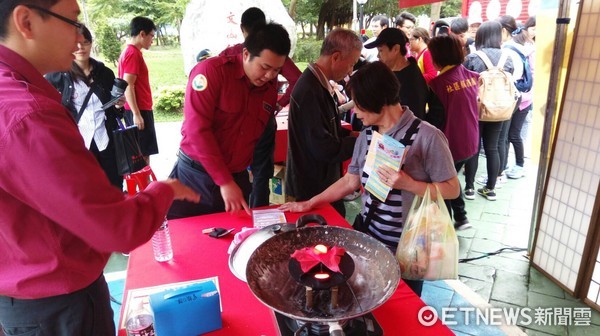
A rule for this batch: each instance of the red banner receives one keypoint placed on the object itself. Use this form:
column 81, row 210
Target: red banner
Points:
column 413, row 3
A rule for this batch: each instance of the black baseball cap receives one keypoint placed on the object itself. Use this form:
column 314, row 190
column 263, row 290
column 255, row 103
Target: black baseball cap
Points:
column 389, row 36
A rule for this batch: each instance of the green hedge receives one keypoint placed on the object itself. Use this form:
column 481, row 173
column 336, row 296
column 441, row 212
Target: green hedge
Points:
column 170, row 99
column 307, row 50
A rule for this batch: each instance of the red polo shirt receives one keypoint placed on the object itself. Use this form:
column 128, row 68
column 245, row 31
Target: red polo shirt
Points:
column 224, row 116
column 132, row 62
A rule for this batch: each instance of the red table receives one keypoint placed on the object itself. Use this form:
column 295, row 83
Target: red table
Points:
column 197, row 256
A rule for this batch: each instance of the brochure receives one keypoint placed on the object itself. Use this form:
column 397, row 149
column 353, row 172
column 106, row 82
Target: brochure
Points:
column 266, row 217
column 387, row 151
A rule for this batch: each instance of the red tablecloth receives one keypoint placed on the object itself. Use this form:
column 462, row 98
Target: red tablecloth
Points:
column 197, row 256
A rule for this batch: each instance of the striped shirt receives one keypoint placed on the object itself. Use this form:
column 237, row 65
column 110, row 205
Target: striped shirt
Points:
column 428, row 159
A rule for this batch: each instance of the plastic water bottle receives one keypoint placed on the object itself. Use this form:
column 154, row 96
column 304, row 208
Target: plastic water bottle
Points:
column 161, row 243
column 140, row 321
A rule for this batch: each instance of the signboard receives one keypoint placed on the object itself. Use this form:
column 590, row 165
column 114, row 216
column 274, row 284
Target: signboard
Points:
column 486, row 10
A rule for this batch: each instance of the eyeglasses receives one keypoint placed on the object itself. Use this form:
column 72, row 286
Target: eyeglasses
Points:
column 409, row 27
column 77, row 25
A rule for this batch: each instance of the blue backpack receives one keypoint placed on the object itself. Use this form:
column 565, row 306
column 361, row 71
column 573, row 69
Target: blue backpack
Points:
column 524, row 83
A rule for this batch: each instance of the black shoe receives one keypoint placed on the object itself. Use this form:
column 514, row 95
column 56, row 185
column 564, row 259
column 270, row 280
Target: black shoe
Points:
column 469, row 194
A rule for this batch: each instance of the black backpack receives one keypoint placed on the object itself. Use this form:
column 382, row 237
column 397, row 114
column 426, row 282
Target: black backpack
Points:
column 524, row 83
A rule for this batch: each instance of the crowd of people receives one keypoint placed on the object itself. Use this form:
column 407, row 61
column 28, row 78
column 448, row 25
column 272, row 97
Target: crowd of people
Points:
column 442, row 66
column 61, row 199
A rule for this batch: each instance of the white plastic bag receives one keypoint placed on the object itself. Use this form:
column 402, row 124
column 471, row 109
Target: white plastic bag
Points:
column 428, row 247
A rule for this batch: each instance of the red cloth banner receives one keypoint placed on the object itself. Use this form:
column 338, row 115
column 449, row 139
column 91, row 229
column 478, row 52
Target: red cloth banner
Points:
column 413, row 3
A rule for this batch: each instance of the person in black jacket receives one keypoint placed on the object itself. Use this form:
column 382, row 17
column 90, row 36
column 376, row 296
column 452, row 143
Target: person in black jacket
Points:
column 95, row 125
column 317, row 143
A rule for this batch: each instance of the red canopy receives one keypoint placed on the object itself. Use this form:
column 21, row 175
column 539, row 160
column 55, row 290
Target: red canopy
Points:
column 412, row 3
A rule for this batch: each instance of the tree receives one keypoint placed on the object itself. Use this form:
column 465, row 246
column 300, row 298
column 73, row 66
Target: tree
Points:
column 164, row 13
column 109, row 45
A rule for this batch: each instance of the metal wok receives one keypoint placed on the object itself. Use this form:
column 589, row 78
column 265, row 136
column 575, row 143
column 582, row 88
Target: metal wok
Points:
column 374, row 280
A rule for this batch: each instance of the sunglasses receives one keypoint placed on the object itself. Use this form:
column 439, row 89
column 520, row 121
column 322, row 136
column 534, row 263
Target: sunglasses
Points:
column 76, row 24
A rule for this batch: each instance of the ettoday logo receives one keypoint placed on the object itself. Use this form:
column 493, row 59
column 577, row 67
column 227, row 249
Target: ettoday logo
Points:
column 496, row 316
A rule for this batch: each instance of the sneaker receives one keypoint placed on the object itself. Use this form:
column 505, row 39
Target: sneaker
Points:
column 470, row 194
column 499, row 181
column 489, row 194
column 462, row 225
column 516, row 172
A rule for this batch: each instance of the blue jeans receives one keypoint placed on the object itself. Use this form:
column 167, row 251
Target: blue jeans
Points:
column 84, row 312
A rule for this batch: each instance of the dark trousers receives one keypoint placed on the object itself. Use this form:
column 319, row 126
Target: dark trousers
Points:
column 503, row 146
column 262, row 165
column 490, row 132
column 456, row 207
column 108, row 161
column 471, row 170
column 192, row 174
column 86, row 312
column 514, row 134
column 415, row 285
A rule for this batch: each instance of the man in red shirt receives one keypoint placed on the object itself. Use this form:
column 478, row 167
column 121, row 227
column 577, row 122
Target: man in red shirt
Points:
column 132, row 68
column 60, row 218
column 262, row 161
column 228, row 103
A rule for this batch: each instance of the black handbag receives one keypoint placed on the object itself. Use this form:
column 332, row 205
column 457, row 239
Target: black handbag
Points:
column 127, row 149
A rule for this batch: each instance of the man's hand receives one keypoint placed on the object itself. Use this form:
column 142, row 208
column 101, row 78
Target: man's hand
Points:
column 183, row 192
column 233, row 198
column 138, row 121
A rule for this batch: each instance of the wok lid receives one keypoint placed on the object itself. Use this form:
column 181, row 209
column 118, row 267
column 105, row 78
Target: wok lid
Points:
column 374, row 280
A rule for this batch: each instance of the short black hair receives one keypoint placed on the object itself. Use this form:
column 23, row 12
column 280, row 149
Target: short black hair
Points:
column 382, row 19
column 374, row 86
column 459, row 26
column 7, row 7
column 489, row 35
column 446, row 50
column 251, row 18
column 141, row 24
column 400, row 18
column 271, row 36
column 87, row 34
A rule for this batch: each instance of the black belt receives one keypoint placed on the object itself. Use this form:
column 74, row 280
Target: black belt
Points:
column 190, row 162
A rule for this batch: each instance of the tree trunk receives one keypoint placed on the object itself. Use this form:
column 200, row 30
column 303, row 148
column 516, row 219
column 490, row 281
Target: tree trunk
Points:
column 436, row 9
column 292, row 9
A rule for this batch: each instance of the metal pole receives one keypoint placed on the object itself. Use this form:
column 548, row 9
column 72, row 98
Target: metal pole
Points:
column 360, row 21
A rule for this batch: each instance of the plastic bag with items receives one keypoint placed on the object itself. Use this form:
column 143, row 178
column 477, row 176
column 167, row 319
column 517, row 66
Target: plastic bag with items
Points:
column 428, row 247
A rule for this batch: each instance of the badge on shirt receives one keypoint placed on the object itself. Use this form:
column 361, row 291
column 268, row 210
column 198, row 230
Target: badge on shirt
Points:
column 268, row 107
column 199, row 83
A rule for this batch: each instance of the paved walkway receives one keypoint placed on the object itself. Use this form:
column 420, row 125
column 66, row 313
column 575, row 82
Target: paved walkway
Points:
column 502, row 280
